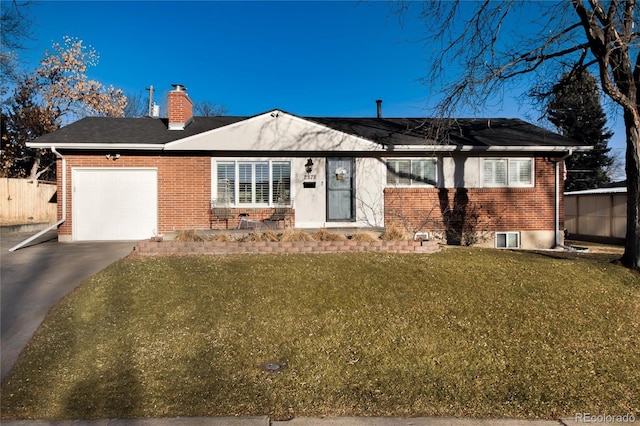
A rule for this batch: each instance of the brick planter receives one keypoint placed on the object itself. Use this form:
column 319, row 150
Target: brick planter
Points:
column 234, row 247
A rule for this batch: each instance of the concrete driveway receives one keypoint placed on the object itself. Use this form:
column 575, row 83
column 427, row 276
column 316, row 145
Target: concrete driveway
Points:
column 34, row 278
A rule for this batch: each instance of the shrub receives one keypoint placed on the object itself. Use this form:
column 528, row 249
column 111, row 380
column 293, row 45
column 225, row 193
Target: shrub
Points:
column 269, row 235
column 364, row 236
column 225, row 238
column 392, row 233
column 293, row 236
column 188, row 235
column 324, row 235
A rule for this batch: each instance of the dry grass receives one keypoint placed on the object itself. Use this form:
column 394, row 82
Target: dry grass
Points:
column 465, row 332
column 258, row 235
column 324, row 235
column 364, row 236
column 189, row 235
column 293, row 235
column 393, row 233
column 225, row 238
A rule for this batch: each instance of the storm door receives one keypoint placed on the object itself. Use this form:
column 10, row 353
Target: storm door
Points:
column 340, row 189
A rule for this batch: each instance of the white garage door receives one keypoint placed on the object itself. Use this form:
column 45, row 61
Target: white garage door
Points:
column 115, row 204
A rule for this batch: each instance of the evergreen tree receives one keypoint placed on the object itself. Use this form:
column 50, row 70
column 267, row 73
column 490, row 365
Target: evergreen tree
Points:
column 576, row 111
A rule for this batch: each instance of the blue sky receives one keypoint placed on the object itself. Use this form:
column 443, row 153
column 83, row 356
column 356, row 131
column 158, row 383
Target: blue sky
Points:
column 324, row 58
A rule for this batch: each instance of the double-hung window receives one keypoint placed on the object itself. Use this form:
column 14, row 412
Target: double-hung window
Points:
column 508, row 172
column 258, row 183
column 411, row 172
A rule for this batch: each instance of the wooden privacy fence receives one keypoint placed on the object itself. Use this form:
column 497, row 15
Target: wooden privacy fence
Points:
column 25, row 201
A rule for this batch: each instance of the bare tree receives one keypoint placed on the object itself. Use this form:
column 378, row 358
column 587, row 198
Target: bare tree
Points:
column 58, row 90
column 484, row 48
column 137, row 105
column 209, row 109
column 15, row 32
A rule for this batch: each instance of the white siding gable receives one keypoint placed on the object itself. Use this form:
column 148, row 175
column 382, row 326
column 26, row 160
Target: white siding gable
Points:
column 275, row 131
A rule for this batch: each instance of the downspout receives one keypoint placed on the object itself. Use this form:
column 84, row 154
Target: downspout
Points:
column 64, row 204
column 556, row 231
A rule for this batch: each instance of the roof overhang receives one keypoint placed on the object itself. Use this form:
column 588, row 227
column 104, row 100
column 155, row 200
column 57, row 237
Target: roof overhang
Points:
column 471, row 148
column 389, row 148
column 100, row 146
column 288, row 133
column 615, row 190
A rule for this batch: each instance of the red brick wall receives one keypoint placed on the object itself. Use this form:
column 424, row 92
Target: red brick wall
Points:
column 184, row 191
column 184, row 187
column 488, row 209
column 180, row 107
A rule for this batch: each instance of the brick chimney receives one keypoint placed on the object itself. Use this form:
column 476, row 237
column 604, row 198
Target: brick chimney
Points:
column 180, row 108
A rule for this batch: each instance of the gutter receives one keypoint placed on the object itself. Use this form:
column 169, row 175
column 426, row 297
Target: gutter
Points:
column 64, row 205
column 556, row 227
column 102, row 146
column 472, row 148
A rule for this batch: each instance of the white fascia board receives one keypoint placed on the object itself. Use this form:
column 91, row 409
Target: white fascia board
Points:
column 99, row 146
column 470, row 148
column 556, row 148
column 615, row 190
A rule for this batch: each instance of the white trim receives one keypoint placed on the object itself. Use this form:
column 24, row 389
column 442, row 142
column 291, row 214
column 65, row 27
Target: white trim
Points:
column 102, row 146
column 409, row 149
column 614, row 190
column 471, row 148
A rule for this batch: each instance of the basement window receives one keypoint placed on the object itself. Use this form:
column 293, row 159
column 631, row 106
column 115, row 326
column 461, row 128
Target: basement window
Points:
column 507, row 240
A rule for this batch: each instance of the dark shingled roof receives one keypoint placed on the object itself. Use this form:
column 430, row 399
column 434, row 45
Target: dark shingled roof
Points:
column 478, row 133
column 131, row 130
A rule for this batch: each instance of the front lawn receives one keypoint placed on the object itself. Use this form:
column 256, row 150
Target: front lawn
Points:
column 464, row 332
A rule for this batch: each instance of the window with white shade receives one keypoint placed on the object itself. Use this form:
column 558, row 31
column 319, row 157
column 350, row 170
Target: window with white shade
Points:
column 260, row 183
column 500, row 172
column 411, row 172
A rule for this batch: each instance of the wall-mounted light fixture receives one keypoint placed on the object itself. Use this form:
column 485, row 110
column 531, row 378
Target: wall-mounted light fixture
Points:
column 309, row 166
